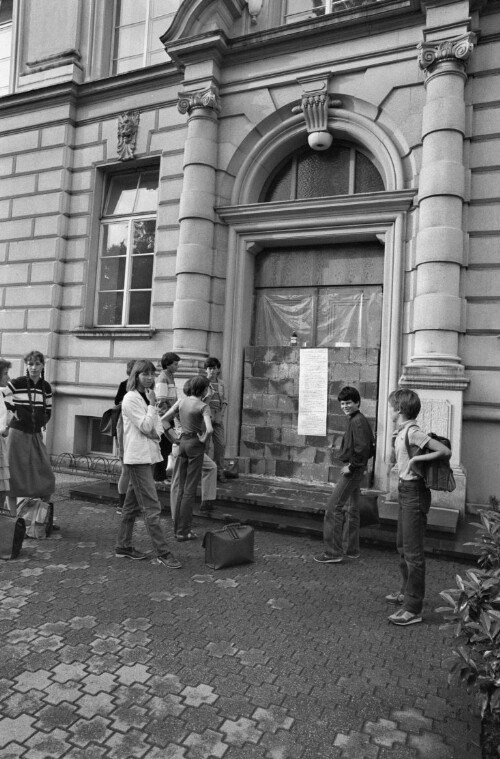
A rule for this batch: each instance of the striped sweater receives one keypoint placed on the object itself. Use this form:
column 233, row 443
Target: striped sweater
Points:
column 29, row 417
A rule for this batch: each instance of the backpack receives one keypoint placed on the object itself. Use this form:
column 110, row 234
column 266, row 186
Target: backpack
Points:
column 437, row 474
column 109, row 420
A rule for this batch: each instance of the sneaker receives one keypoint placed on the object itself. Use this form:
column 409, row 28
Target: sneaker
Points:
column 403, row 618
column 323, row 558
column 119, row 510
column 188, row 536
column 353, row 555
column 395, row 598
column 129, row 553
column 168, row 560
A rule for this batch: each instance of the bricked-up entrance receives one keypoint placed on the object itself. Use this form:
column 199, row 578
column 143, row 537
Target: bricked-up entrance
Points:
column 269, row 438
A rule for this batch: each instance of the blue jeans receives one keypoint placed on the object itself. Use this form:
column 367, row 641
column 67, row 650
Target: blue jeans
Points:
column 414, row 504
column 187, row 476
column 142, row 499
column 208, row 484
column 341, row 524
column 217, row 446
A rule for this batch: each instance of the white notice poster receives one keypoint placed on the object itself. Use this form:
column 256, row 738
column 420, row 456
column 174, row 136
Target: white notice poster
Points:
column 313, row 391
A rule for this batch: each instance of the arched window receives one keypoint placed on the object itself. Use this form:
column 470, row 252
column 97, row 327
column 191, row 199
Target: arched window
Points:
column 343, row 169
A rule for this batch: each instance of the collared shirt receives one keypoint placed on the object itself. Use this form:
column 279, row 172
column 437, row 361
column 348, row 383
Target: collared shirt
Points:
column 166, row 391
column 417, row 439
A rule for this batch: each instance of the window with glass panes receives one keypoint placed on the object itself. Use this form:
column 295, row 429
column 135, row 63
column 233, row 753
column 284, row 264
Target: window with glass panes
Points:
column 301, row 10
column 139, row 25
column 5, row 45
column 340, row 170
column 128, row 232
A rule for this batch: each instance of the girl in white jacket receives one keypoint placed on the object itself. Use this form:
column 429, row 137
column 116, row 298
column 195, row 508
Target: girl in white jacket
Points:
column 141, row 435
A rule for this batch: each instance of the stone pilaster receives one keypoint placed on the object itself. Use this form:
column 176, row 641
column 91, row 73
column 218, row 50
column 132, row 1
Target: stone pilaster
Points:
column 194, row 265
column 435, row 369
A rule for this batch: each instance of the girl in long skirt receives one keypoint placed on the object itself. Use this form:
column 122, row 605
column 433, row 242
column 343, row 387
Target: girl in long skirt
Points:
column 30, row 399
column 4, row 431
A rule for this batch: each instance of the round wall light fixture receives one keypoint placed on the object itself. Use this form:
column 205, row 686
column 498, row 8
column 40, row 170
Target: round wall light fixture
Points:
column 320, row 140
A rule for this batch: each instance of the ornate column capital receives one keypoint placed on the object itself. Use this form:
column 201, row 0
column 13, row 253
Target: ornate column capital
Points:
column 455, row 52
column 208, row 98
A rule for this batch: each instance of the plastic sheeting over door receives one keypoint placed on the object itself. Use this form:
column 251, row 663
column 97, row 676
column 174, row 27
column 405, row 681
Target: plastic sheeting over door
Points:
column 326, row 317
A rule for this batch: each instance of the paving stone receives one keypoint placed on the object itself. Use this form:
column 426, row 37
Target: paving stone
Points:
column 13, row 751
column 88, row 706
column 209, row 743
column 18, row 728
column 356, row 746
column 241, row 731
column 384, row 732
column 39, row 680
column 95, row 730
column 202, row 694
column 130, row 745
column 111, row 660
column 431, row 746
column 58, row 692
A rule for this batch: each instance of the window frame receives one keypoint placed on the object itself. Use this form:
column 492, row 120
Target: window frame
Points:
column 294, row 158
column 105, row 221
column 330, row 6
column 146, row 51
column 93, row 423
column 8, row 88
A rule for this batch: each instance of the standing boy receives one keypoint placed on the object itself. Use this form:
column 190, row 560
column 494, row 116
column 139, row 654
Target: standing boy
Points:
column 166, row 396
column 217, row 403
column 341, row 525
column 414, row 502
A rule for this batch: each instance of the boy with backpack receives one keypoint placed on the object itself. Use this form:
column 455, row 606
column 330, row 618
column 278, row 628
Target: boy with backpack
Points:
column 414, row 503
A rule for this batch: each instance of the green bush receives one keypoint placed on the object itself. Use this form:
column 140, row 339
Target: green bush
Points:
column 473, row 611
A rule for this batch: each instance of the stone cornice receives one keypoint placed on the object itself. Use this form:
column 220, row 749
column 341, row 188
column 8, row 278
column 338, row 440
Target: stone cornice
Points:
column 380, row 207
column 101, row 90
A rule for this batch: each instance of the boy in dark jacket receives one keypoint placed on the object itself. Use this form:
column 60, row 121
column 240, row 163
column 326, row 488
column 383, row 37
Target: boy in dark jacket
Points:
column 341, row 525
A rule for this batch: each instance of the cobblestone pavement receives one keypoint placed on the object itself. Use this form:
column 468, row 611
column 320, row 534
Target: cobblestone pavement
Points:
column 281, row 659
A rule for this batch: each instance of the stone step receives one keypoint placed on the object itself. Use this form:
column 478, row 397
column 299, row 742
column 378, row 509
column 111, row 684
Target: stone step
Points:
column 293, row 507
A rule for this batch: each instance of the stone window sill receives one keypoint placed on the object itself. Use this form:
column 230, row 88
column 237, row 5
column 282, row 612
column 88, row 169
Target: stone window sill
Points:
column 109, row 332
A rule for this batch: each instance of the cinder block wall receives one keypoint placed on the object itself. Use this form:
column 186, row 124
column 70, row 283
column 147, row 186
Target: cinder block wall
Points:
column 269, row 439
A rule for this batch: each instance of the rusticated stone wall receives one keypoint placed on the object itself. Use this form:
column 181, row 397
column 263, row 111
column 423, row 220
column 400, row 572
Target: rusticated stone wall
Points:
column 269, row 438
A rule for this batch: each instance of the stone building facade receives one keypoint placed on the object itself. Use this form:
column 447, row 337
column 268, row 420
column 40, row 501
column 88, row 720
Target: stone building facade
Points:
column 213, row 175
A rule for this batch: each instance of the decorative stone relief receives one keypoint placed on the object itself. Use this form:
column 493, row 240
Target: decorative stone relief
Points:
column 128, row 126
column 203, row 99
column 457, row 50
column 435, row 416
column 315, row 106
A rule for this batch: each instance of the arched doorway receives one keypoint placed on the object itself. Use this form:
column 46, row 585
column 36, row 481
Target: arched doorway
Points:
column 328, row 229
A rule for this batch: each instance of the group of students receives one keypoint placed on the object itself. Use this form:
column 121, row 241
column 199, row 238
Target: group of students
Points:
column 153, row 420
column 25, row 410
column 412, row 446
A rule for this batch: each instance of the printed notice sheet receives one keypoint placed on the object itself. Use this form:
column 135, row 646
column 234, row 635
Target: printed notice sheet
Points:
column 313, row 391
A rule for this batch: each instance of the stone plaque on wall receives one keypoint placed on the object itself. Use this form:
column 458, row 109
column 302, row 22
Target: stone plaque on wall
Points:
column 435, row 416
